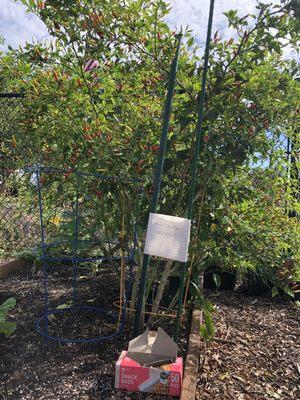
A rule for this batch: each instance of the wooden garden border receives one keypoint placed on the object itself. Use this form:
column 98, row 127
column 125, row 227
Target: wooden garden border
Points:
column 17, row 265
column 189, row 384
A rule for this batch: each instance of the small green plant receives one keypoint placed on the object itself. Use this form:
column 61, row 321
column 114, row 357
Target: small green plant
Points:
column 7, row 328
column 217, row 280
column 207, row 330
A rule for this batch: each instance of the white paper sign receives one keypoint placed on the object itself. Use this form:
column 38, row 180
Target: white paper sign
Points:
column 168, row 237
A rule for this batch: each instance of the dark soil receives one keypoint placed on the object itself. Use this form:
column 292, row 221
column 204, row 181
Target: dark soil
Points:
column 256, row 351
column 255, row 355
column 32, row 367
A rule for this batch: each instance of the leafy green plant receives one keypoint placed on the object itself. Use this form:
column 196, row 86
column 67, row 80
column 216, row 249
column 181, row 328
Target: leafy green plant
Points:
column 108, row 120
column 207, row 329
column 7, row 328
column 33, row 257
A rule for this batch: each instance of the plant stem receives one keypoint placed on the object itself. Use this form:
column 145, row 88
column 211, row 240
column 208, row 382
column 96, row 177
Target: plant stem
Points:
column 160, row 290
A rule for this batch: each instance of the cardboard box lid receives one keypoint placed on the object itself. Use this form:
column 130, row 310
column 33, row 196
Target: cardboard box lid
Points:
column 152, row 346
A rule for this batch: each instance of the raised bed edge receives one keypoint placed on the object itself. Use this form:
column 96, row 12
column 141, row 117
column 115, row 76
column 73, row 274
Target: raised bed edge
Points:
column 10, row 267
column 189, row 384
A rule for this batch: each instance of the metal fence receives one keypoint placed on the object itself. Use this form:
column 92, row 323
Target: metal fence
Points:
column 19, row 229
column 10, row 106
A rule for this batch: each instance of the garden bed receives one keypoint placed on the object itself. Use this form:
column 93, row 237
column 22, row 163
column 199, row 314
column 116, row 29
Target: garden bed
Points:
column 254, row 356
column 257, row 356
column 33, row 368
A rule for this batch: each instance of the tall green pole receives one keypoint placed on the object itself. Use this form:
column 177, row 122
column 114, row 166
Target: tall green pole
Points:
column 195, row 157
column 157, row 181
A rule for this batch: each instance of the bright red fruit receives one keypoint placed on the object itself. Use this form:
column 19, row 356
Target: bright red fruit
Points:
column 155, row 148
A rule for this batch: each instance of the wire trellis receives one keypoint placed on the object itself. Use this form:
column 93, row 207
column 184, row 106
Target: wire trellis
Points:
column 78, row 230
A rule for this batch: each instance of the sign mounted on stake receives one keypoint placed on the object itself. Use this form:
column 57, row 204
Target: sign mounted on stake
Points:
column 157, row 183
column 168, row 237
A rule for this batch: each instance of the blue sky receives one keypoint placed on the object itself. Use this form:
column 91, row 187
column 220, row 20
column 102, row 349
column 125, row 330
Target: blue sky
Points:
column 17, row 27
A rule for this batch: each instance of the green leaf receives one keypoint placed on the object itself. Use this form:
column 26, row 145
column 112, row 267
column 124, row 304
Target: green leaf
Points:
column 7, row 328
column 6, row 307
column 63, row 306
column 190, row 41
column 217, row 280
column 207, row 330
column 289, row 291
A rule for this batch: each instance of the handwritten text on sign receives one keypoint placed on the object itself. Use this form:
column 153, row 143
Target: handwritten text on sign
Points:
column 168, row 237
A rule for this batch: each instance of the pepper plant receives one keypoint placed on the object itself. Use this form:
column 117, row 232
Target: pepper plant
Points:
column 94, row 101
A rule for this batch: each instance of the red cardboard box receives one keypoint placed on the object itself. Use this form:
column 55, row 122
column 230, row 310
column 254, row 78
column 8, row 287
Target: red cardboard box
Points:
column 132, row 376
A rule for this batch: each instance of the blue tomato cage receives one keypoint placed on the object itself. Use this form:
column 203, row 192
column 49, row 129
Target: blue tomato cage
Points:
column 80, row 214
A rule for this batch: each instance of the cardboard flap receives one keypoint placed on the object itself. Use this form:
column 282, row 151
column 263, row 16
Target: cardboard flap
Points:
column 140, row 343
column 164, row 345
column 151, row 347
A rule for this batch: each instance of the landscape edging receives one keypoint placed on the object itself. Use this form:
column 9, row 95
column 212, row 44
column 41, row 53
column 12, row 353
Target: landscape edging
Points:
column 189, row 384
column 10, row 267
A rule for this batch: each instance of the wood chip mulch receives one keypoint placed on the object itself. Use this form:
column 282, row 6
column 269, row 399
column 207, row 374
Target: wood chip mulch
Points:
column 256, row 352
column 255, row 355
column 33, row 368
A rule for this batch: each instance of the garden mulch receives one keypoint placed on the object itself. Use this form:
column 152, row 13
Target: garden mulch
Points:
column 34, row 368
column 256, row 353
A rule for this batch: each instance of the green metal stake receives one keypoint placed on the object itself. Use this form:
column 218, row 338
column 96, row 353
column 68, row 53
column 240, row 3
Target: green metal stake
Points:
column 157, row 180
column 195, row 158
